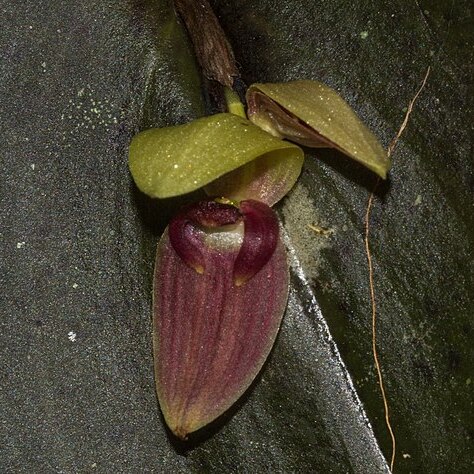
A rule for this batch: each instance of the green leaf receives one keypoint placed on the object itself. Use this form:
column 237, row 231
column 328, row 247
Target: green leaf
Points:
column 176, row 160
column 312, row 114
column 79, row 241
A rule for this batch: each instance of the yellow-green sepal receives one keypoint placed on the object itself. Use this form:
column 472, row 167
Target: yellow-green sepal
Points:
column 171, row 161
column 312, row 114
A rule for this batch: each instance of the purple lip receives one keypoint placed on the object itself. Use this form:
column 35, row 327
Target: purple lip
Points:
column 260, row 234
column 211, row 336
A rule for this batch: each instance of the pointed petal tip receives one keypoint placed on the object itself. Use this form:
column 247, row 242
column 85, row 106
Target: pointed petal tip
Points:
column 182, row 425
column 180, row 432
column 382, row 169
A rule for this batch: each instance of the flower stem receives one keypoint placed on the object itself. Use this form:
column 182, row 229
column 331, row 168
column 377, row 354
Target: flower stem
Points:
column 234, row 105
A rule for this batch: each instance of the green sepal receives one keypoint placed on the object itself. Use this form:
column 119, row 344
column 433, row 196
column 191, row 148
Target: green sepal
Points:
column 171, row 161
column 312, row 114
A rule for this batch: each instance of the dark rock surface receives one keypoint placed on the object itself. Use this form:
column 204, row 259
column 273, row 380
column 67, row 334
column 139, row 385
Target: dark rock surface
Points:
column 77, row 80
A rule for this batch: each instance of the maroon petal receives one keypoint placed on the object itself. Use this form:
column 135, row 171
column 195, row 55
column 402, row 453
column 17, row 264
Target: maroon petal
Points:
column 183, row 233
column 260, row 240
column 212, row 337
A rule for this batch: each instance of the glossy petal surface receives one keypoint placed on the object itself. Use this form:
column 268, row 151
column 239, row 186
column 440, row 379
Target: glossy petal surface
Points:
column 267, row 179
column 313, row 114
column 171, row 161
column 184, row 229
column 261, row 234
column 211, row 337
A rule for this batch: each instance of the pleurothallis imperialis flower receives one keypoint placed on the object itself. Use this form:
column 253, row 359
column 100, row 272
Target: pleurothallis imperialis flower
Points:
column 221, row 275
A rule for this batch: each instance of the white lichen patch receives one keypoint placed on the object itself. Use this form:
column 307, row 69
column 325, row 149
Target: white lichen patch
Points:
column 89, row 112
column 299, row 214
